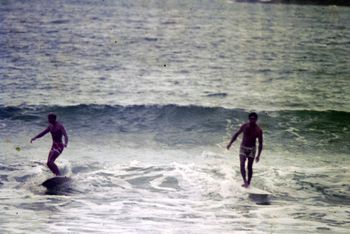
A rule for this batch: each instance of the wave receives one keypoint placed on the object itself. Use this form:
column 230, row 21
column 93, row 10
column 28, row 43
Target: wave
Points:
column 169, row 112
column 197, row 124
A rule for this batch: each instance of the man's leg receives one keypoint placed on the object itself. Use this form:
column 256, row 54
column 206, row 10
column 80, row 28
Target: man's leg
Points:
column 250, row 169
column 242, row 159
column 53, row 155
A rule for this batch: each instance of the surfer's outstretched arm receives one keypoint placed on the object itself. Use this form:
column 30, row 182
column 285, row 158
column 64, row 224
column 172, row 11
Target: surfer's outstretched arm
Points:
column 65, row 136
column 43, row 133
column 260, row 138
column 234, row 137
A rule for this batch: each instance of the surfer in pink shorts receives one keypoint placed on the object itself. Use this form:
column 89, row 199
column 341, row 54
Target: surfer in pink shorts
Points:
column 251, row 132
column 57, row 132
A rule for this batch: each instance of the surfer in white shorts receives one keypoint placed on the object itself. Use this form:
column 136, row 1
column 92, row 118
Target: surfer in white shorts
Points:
column 57, row 132
column 251, row 132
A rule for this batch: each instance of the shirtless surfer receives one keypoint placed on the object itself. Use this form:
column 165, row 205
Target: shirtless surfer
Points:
column 57, row 131
column 251, row 131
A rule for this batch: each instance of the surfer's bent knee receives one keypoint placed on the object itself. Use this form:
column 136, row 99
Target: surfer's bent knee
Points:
column 53, row 155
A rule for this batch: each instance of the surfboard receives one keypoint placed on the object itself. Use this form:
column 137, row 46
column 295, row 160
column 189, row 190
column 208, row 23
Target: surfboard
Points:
column 55, row 182
column 259, row 196
column 252, row 190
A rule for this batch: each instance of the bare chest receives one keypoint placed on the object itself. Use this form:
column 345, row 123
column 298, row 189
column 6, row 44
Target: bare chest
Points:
column 55, row 130
column 251, row 133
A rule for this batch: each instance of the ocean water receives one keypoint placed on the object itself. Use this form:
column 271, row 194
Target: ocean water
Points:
column 150, row 93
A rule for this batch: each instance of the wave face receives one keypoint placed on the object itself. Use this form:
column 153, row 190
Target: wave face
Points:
column 173, row 125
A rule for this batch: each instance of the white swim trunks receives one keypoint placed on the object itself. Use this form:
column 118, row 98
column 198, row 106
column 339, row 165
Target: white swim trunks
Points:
column 247, row 151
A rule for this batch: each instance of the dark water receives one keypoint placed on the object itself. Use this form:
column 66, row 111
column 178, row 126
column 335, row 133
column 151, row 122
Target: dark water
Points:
column 150, row 93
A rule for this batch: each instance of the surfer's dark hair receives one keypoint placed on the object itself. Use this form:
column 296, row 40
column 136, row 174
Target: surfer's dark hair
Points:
column 52, row 116
column 253, row 114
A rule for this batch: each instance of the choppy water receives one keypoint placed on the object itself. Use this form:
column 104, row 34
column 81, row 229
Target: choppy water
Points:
column 150, row 93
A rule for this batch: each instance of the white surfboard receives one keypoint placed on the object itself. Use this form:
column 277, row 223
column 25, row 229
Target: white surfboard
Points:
column 259, row 196
column 252, row 190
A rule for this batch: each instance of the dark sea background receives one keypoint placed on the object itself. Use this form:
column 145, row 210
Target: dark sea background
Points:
column 150, row 93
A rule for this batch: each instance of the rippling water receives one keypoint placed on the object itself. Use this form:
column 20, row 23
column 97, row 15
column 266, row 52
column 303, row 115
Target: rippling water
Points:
column 150, row 92
column 191, row 52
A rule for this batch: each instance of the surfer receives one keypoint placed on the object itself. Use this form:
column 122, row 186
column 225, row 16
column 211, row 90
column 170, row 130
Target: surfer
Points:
column 57, row 131
column 251, row 131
